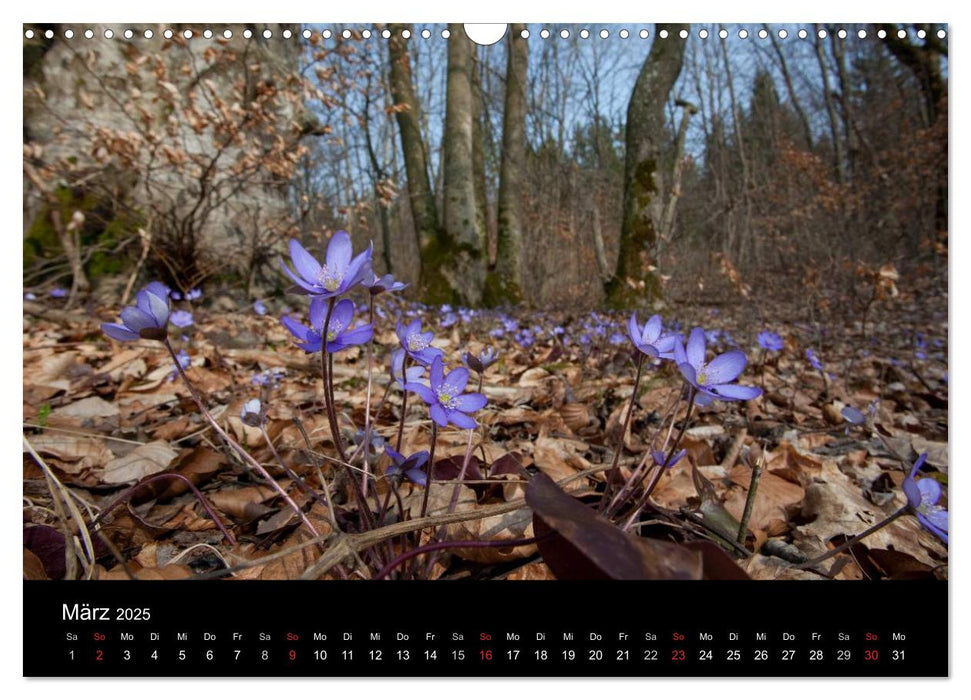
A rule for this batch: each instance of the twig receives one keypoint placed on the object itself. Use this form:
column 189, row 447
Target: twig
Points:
column 753, row 487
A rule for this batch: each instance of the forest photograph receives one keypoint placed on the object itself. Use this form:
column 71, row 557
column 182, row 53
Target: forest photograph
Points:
column 359, row 302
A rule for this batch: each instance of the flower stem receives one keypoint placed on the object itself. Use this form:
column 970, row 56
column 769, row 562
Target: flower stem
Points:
column 656, row 477
column 158, row 477
column 610, row 475
column 404, row 403
column 301, row 484
column 325, row 364
column 430, row 471
column 235, row 446
column 365, row 478
column 435, row 546
column 853, row 540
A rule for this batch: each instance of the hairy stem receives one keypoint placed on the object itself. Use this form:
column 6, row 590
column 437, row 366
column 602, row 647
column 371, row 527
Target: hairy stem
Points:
column 853, row 540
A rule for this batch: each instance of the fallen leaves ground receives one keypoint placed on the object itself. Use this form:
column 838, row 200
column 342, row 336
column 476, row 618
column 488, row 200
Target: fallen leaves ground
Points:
column 103, row 417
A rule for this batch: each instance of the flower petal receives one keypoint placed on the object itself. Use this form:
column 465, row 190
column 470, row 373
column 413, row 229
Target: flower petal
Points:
column 136, row 318
column 912, row 492
column 304, row 263
column 299, row 330
column 725, row 368
column 119, row 332
column 318, row 312
column 417, row 476
column 339, row 253
column 460, row 420
column 688, row 372
column 438, row 414
column 470, row 403
column 457, row 380
column 632, row 329
column 652, row 329
column 695, row 350
column 159, row 308
column 436, row 374
column 426, row 394
column 358, row 336
column 342, row 315
column 302, row 283
column 933, row 527
column 734, row 392
column 930, row 491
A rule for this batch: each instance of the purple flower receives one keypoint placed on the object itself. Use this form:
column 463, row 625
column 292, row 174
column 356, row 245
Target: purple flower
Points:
column 922, row 497
column 181, row 318
column 30, row 296
column 252, row 413
column 337, row 275
column 649, row 340
column 58, row 292
column 416, row 344
column 853, row 416
column 259, row 307
column 184, row 361
column 712, row 380
column 413, row 374
column 339, row 333
column 481, row 362
column 447, row 404
column 268, row 377
column 147, row 319
column 770, row 341
column 813, row 360
column 193, row 294
column 658, row 457
column 378, row 285
column 411, row 468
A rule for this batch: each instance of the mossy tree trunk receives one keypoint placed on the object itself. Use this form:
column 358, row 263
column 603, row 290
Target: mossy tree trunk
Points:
column 504, row 282
column 632, row 280
column 429, row 234
column 463, row 260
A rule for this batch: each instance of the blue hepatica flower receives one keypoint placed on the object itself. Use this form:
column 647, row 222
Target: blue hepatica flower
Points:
column 770, row 341
column 147, row 319
column 58, row 292
column 416, row 344
column 813, row 360
column 658, row 457
column 259, row 307
column 252, row 413
column 412, row 374
column 193, row 294
column 481, row 362
column 184, row 361
column 339, row 333
column 411, row 468
column 337, row 275
column 715, row 379
column 181, row 318
column 446, row 402
column 649, row 338
column 922, row 497
column 853, row 416
column 379, row 285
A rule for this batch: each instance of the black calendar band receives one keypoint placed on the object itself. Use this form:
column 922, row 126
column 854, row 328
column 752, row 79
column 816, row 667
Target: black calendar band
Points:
column 478, row 628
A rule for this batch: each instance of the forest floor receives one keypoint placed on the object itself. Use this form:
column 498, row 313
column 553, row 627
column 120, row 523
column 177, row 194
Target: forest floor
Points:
column 103, row 416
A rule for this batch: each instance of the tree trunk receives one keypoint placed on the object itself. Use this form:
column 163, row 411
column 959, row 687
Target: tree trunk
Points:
column 505, row 280
column 463, row 264
column 834, row 128
column 632, row 279
column 421, row 198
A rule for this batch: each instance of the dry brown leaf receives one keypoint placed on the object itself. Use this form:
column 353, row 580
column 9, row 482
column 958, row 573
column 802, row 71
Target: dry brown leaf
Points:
column 143, row 461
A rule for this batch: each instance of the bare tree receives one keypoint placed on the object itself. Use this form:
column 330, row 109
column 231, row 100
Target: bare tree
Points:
column 645, row 134
column 504, row 282
column 464, row 268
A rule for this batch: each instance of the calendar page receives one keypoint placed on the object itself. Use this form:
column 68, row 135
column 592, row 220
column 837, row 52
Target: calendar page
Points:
column 423, row 350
